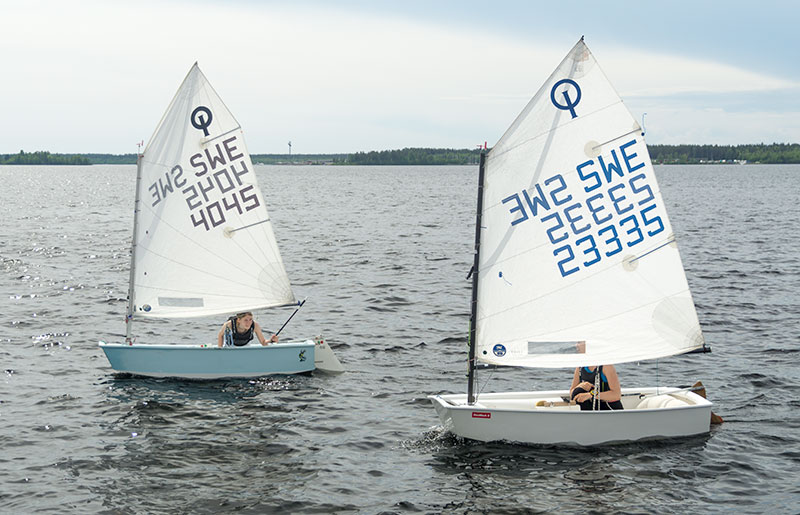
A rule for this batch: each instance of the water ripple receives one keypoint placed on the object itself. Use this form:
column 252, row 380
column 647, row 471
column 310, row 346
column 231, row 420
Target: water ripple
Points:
column 386, row 287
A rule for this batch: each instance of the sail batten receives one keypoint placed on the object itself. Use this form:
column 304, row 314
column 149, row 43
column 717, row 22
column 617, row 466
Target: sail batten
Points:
column 576, row 244
column 204, row 244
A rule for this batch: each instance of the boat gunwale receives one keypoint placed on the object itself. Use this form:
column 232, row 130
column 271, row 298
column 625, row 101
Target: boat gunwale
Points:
column 183, row 346
column 701, row 403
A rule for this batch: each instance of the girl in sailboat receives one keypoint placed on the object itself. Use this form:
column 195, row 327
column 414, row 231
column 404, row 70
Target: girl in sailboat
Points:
column 585, row 388
column 240, row 330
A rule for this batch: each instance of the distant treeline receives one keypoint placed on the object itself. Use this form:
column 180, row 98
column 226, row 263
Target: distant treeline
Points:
column 112, row 159
column 416, row 156
column 310, row 159
column 776, row 153
column 42, row 158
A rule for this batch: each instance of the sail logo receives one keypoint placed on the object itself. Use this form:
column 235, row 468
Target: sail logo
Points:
column 569, row 104
column 499, row 350
column 198, row 121
column 603, row 206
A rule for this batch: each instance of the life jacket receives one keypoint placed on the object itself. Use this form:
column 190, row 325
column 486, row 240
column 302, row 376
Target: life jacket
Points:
column 240, row 339
column 587, row 375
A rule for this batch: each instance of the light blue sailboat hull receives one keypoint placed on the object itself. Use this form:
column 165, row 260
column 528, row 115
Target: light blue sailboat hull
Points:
column 210, row 362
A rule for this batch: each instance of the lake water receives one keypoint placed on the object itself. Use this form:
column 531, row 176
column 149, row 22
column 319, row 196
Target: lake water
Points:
column 382, row 254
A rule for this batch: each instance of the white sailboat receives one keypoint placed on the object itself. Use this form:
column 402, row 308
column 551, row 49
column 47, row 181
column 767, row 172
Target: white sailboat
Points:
column 575, row 265
column 203, row 245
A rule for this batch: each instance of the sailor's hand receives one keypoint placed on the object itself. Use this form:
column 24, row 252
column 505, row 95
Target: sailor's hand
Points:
column 586, row 385
column 274, row 338
column 583, row 397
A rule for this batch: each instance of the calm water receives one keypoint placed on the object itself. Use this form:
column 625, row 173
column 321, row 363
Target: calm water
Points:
column 382, row 254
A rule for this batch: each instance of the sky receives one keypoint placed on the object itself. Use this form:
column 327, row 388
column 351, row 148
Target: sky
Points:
column 356, row 75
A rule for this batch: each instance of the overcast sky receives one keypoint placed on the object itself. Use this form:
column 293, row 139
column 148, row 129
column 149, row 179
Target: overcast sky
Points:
column 346, row 76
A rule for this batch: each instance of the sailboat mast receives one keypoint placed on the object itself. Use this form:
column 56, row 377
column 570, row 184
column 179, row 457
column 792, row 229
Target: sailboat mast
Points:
column 131, row 302
column 474, row 308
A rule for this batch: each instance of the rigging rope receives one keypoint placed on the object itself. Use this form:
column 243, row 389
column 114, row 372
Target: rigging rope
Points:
column 485, row 383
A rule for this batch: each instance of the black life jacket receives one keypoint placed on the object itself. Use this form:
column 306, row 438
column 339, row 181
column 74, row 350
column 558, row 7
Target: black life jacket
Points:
column 586, row 375
column 241, row 339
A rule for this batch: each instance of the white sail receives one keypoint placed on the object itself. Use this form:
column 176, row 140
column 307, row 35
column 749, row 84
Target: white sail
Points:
column 578, row 262
column 203, row 243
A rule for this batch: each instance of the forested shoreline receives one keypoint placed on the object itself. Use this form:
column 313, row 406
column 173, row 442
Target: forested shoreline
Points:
column 43, row 158
column 775, row 153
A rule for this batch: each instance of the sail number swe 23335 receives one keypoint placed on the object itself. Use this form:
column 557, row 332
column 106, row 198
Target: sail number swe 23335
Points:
column 214, row 187
column 616, row 210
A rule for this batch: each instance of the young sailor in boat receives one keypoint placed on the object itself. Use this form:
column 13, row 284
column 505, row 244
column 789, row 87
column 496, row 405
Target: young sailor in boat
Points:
column 240, row 329
column 584, row 388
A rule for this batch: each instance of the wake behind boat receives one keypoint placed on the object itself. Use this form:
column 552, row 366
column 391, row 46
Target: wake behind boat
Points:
column 575, row 265
column 203, row 245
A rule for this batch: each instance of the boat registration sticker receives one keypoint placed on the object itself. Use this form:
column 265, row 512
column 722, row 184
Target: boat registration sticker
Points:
column 481, row 414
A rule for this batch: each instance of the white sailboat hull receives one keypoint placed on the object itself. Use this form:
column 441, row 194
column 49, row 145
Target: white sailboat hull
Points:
column 650, row 413
column 212, row 362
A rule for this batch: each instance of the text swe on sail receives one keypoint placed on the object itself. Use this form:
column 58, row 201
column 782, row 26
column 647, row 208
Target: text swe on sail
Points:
column 611, row 208
column 213, row 183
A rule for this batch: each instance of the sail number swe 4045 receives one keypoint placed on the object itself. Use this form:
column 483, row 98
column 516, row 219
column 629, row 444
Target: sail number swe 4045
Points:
column 617, row 209
column 218, row 185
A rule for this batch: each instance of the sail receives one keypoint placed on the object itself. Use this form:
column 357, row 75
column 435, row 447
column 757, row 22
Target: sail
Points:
column 203, row 242
column 578, row 262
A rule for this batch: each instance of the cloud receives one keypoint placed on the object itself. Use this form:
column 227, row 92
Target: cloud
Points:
column 640, row 74
column 96, row 77
column 721, row 127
